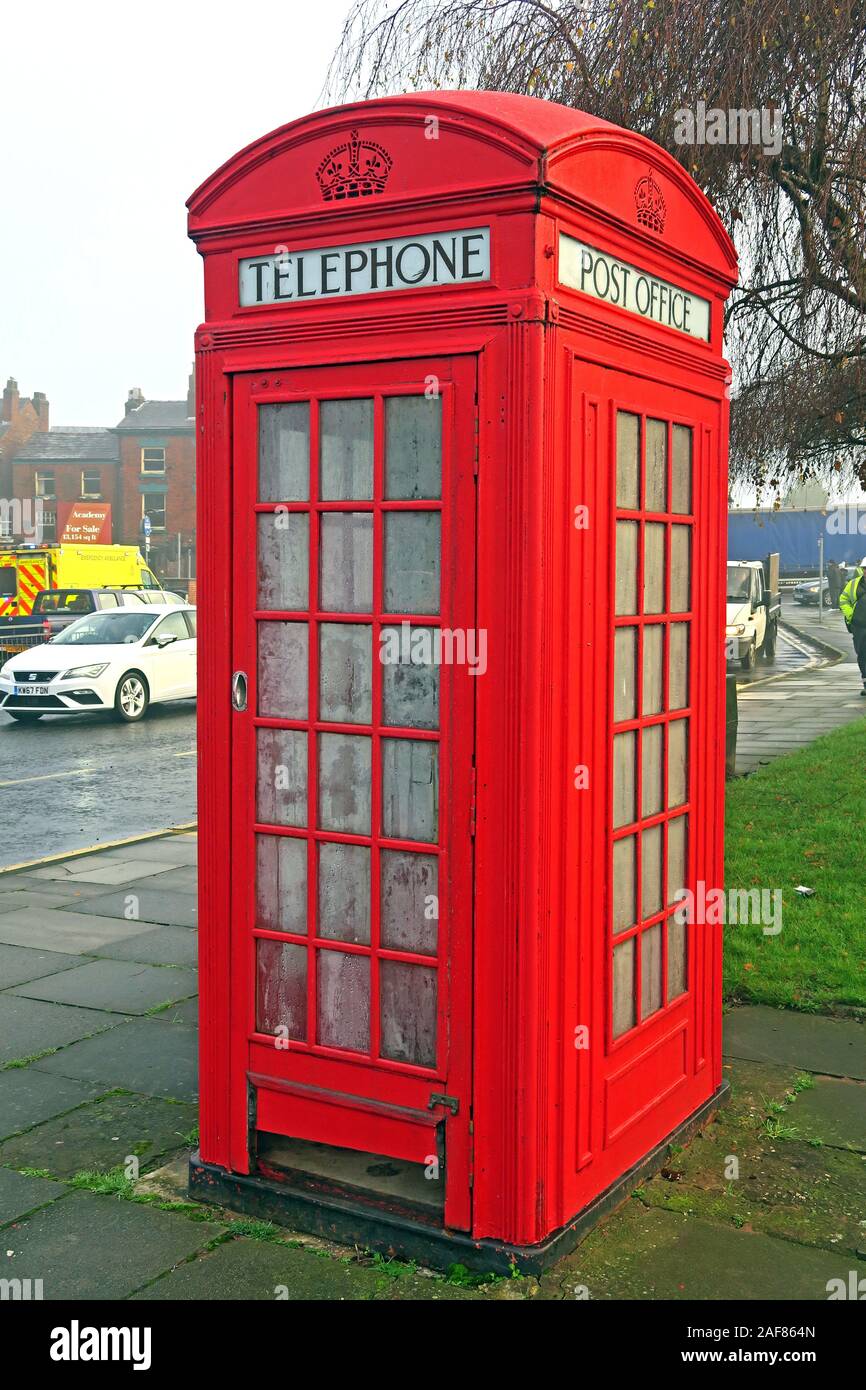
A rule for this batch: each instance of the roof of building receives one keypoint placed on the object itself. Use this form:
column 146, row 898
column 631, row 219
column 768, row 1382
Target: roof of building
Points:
column 68, row 443
column 157, row 415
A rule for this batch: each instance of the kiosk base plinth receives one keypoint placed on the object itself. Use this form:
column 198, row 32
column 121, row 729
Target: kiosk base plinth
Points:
column 380, row 1226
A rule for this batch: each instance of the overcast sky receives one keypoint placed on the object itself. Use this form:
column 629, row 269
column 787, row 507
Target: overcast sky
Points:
column 111, row 115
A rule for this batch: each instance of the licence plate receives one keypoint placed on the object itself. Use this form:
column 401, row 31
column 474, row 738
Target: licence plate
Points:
column 31, row 690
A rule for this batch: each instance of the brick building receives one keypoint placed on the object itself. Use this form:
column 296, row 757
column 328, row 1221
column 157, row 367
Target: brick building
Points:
column 20, row 417
column 66, row 464
column 143, row 465
column 157, row 478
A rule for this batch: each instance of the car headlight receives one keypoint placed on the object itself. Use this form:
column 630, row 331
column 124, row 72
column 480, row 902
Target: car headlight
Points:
column 90, row 671
column 734, row 629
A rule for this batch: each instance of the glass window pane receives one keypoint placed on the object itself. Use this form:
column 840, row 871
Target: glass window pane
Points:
column 677, row 958
column 284, row 452
column 283, row 561
column 345, row 450
column 651, row 770
column 651, row 970
column 678, row 666
column 413, row 447
column 346, row 562
column 345, row 783
column 677, row 762
column 281, row 883
column 624, row 880
column 651, row 871
column 412, row 562
column 343, row 991
column 408, row 998
column 624, row 674
column 656, row 466
column 626, row 567
column 344, row 893
column 410, row 789
column 409, row 885
column 653, row 567
column 624, row 762
column 653, row 668
column 623, row 987
column 281, row 988
column 410, row 678
column 281, row 777
column 681, row 469
column 282, row 670
column 681, row 586
column 677, row 845
column 346, row 673
column 627, row 461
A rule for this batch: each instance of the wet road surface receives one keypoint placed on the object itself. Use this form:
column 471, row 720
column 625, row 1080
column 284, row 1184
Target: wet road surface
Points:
column 67, row 782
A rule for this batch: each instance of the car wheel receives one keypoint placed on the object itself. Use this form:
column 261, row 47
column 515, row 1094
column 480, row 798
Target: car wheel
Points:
column 748, row 661
column 769, row 649
column 24, row 716
column 132, row 698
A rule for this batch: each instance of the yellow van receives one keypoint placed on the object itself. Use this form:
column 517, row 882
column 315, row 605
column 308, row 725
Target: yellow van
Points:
column 24, row 570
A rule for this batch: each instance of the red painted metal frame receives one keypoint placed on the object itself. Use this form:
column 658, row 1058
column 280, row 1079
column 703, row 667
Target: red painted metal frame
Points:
column 553, row 1125
column 339, row 1071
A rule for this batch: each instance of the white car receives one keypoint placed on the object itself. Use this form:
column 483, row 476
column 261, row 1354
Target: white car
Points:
column 122, row 659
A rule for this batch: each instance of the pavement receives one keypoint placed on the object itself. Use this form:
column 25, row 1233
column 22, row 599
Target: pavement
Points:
column 98, row 1116
column 788, row 709
column 132, row 777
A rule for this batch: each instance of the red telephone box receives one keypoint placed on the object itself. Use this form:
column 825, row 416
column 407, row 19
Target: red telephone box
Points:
column 462, row 418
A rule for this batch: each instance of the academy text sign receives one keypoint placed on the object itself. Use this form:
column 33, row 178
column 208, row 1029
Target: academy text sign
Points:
column 593, row 272
column 401, row 263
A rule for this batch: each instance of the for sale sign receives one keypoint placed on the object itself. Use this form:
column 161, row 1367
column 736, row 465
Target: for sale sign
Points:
column 84, row 523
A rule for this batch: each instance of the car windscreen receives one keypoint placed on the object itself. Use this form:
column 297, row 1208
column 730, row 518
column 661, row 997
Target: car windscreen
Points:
column 739, row 583
column 63, row 601
column 102, row 629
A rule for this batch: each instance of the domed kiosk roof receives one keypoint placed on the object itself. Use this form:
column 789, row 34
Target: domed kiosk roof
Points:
column 436, row 149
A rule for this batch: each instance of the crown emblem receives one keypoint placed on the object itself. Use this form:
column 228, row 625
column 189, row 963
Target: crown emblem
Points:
column 650, row 203
column 354, row 169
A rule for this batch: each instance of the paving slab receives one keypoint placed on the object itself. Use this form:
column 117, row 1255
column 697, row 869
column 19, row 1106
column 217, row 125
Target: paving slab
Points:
column 833, row 1111
column 20, row 1194
column 249, row 1270
column 650, row 1254
column 55, row 929
column 60, row 892
column 135, row 1244
column 831, row 1046
column 174, row 852
column 28, row 1096
column 160, row 906
column 90, row 870
column 29, row 1026
column 181, row 880
column 102, row 1134
column 146, row 1055
column 161, row 946
column 36, row 897
column 21, row 963
column 119, row 986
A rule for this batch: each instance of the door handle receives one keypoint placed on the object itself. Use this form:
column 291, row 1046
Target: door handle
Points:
column 239, row 691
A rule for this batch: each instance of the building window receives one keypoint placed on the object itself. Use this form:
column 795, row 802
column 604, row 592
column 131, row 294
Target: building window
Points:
column 45, row 482
column 49, row 526
column 91, row 482
column 153, row 505
column 153, row 461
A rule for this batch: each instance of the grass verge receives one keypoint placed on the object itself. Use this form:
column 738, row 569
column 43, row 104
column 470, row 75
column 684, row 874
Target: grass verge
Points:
column 795, row 822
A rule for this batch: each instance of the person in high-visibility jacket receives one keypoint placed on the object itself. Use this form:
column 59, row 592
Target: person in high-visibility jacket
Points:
column 852, row 606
